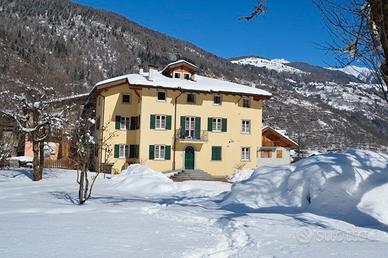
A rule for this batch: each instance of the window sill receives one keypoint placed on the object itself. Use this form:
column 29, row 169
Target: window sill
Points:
column 246, row 160
column 159, row 159
column 246, row 133
column 160, row 129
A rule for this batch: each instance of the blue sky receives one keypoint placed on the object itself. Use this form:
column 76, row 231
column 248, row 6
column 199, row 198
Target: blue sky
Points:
column 293, row 30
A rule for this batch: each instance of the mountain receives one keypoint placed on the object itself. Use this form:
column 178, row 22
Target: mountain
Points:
column 362, row 73
column 279, row 65
column 71, row 47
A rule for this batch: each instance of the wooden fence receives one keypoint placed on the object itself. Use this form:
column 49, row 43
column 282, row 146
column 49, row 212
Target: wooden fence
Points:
column 61, row 163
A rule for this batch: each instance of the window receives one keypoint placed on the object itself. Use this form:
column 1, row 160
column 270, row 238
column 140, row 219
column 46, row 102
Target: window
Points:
column 217, row 100
column 123, row 151
column 246, row 103
column 216, row 152
column 126, row 98
column 125, row 123
column 246, row 126
column 191, row 98
column 160, row 152
column 187, row 76
column 177, row 75
column 266, row 154
column 217, row 124
column 245, row 154
column 160, row 122
column 161, row 95
column 279, row 154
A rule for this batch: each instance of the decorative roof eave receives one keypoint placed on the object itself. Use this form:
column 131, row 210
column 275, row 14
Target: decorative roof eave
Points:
column 293, row 144
column 178, row 63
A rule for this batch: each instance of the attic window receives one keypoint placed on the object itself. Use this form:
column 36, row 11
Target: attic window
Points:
column 126, row 98
column 191, row 98
column 177, row 75
column 187, row 76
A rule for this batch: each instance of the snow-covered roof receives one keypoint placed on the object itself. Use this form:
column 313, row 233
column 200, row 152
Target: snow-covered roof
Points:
column 184, row 62
column 282, row 133
column 200, row 83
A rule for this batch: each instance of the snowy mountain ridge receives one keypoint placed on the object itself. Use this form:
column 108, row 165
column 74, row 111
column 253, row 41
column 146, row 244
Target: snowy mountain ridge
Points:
column 278, row 65
column 362, row 73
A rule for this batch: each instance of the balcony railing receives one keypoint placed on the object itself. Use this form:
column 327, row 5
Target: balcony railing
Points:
column 197, row 136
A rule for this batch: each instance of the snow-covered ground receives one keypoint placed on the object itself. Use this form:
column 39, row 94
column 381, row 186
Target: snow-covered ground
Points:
column 131, row 215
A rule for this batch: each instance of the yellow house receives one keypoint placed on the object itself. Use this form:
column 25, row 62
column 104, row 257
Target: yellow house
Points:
column 175, row 119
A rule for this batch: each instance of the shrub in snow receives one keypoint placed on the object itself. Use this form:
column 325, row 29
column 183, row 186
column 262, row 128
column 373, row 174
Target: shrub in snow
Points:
column 5, row 153
column 338, row 185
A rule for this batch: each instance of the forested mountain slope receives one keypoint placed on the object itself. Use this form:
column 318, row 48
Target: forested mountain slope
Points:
column 71, row 47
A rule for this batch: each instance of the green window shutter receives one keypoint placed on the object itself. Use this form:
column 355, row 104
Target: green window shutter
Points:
column 133, row 122
column 131, row 151
column 210, row 124
column 168, row 153
column 117, row 125
column 168, row 122
column 216, row 153
column 152, row 122
column 117, row 151
column 152, row 152
column 197, row 128
column 182, row 129
column 224, row 124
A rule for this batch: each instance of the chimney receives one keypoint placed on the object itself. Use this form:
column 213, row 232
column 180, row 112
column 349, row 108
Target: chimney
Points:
column 151, row 73
column 141, row 70
column 193, row 77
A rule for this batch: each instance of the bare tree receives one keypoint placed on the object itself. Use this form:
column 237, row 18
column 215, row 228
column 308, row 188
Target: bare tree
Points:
column 259, row 9
column 35, row 115
column 105, row 146
column 359, row 30
column 85, row 142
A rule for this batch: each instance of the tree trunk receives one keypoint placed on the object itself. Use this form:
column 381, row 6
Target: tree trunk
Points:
column 379, row 15
column 41, row 158
column 81, row 191
column 36, row 173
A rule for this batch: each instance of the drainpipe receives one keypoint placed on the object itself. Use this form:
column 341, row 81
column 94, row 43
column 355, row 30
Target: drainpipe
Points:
column 102, row 132
column 175, row 116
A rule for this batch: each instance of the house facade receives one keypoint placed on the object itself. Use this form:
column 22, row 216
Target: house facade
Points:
column 175, row 119
column 276, row 148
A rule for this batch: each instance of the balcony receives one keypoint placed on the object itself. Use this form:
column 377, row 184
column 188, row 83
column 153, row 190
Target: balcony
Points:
column 197, row 136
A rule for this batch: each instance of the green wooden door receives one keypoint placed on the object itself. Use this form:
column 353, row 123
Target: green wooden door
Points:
column 189, row 158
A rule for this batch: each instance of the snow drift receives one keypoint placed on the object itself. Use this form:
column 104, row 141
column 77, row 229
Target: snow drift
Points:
column 351, row 186
column 141, row 180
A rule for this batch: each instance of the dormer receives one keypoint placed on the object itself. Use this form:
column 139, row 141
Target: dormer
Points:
column 180, row 69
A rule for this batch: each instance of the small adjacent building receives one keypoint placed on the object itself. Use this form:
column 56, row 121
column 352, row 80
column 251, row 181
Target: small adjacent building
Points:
column 276, row 148
column 175, row 119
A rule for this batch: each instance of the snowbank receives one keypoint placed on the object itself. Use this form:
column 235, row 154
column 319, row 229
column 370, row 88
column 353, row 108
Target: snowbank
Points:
column 141, row 180
column 22, row 158
column 338, row 185
column 240, row 175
